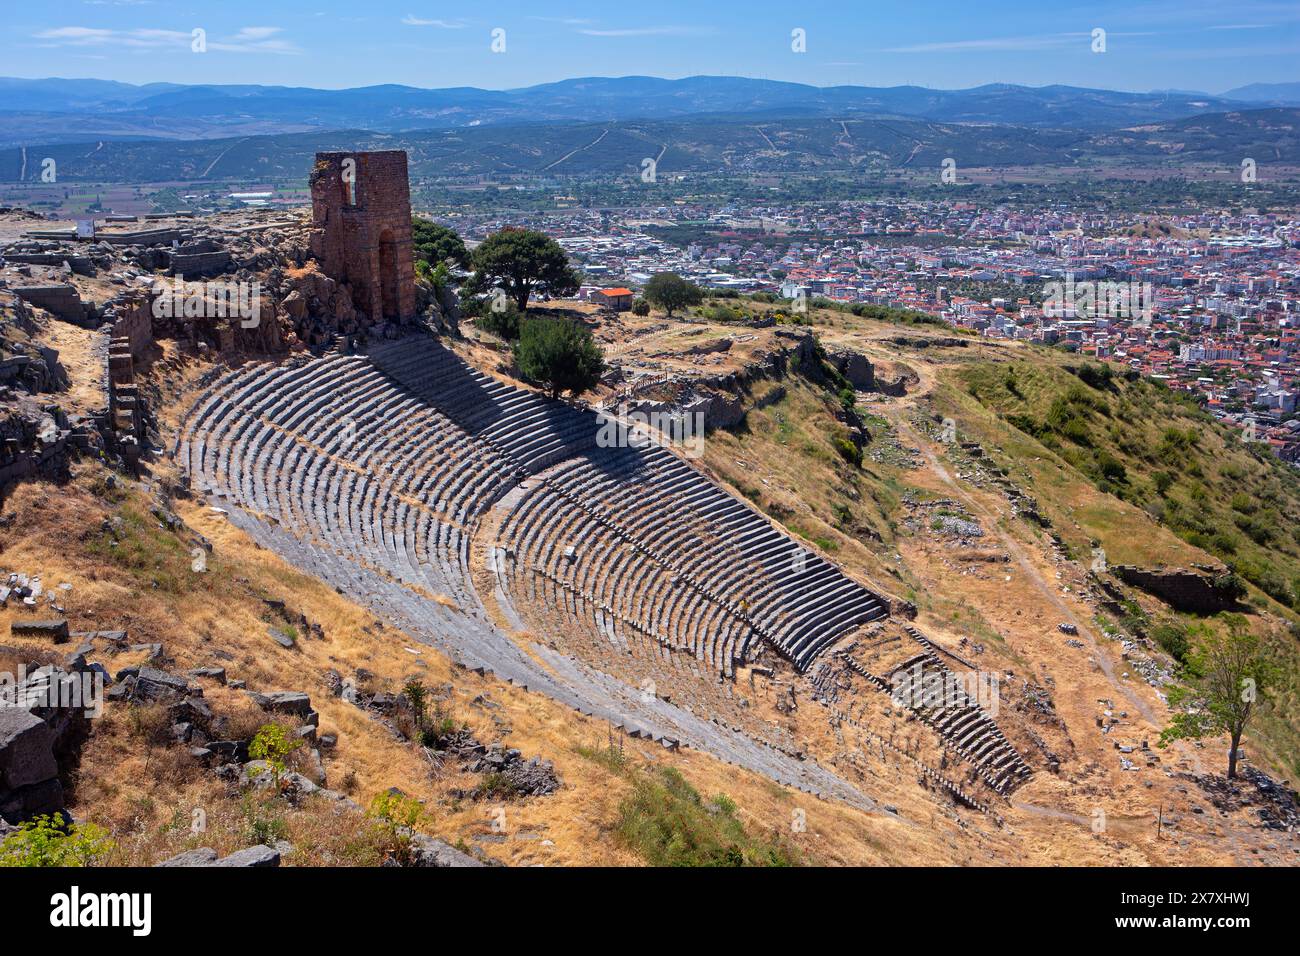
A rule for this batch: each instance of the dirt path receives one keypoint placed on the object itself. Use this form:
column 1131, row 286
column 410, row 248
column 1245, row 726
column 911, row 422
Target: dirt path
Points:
column 220, row 156
column 77, row 355
column 573, row 152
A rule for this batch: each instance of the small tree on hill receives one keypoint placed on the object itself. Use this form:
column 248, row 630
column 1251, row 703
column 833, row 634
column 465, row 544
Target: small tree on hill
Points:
column 521, row 262
column 436, row 244
column 559, row 354
column 417, row 695
column 671, row 292
column 273, row 745
column 1227, row 674
column 396, row 815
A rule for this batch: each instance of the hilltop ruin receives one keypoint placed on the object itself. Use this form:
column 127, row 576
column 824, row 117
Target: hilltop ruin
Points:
column 361, row 229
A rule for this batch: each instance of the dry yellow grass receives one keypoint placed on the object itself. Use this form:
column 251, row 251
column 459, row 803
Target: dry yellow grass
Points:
column 146, row 791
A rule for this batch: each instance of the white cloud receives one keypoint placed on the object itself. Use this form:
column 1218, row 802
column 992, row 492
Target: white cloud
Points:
column 246, row 40
column 1002, row 44
column 567, row 21
column 413, row 21
column 256, row 33
column 97, row 36
column 254, row 40
column 648, row 32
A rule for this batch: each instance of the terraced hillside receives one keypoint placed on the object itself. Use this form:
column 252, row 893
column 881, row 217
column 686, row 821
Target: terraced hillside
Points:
column 487, row 519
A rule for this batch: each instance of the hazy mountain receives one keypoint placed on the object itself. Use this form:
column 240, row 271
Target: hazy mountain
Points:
column 1281, row 94
column 751, row 142
column 67, row 110
column 58, row 95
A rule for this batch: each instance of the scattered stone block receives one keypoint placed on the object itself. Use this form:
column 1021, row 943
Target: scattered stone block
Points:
column 430, row 851
column 203, row 856
column 158, row 686
column 217, row 674
column 284, row 702
column 54, row 630
column 26, row 749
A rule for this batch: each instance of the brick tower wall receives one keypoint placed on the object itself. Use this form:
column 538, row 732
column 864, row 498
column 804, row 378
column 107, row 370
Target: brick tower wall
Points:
column 361, row 231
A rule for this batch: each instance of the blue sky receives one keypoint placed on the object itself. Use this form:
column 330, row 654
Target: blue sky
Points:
column 1150, row 44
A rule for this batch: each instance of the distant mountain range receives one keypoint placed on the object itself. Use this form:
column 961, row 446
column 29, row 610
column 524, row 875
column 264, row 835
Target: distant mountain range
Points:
column 700, row 144
column 1275, row 94
column 73, row 110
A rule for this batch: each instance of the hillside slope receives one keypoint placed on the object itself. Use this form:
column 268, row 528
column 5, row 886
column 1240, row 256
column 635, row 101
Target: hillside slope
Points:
column 986, row 539
column 778, row 142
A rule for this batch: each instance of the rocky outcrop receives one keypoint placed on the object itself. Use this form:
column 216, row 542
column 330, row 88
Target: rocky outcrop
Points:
column 318, row 307
column 430, row 851
column 29, row 774
column 253, row 856
column 25, row 364
column 853, row 366
column 44, row 718
column 40, row 442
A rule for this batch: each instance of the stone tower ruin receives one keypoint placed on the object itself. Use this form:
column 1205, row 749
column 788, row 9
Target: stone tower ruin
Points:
column 361, row 235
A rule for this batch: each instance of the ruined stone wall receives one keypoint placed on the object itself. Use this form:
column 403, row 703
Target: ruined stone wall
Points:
column 191, row 264
column 1181, row 589
column 41, row 444
column 61, row 299
column 854, row 367
column 132, row 323
column 361, row 235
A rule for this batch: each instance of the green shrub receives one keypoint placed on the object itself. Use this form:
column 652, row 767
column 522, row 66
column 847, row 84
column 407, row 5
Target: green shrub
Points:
column 495, row 786
column 396, row 815
column 273, row 744
column 1173, row 639
column 503, row 323
column 264, row 820
column 1075, row 430
column 45, row 840
column 667, row 823
column 561, row 355
column 724, row 314
column 1111, row 467
column 1096, row 374
column 848, row 451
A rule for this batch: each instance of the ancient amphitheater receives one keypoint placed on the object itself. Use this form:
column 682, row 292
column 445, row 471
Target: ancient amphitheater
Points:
column 488, row 520
column 400, row 474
